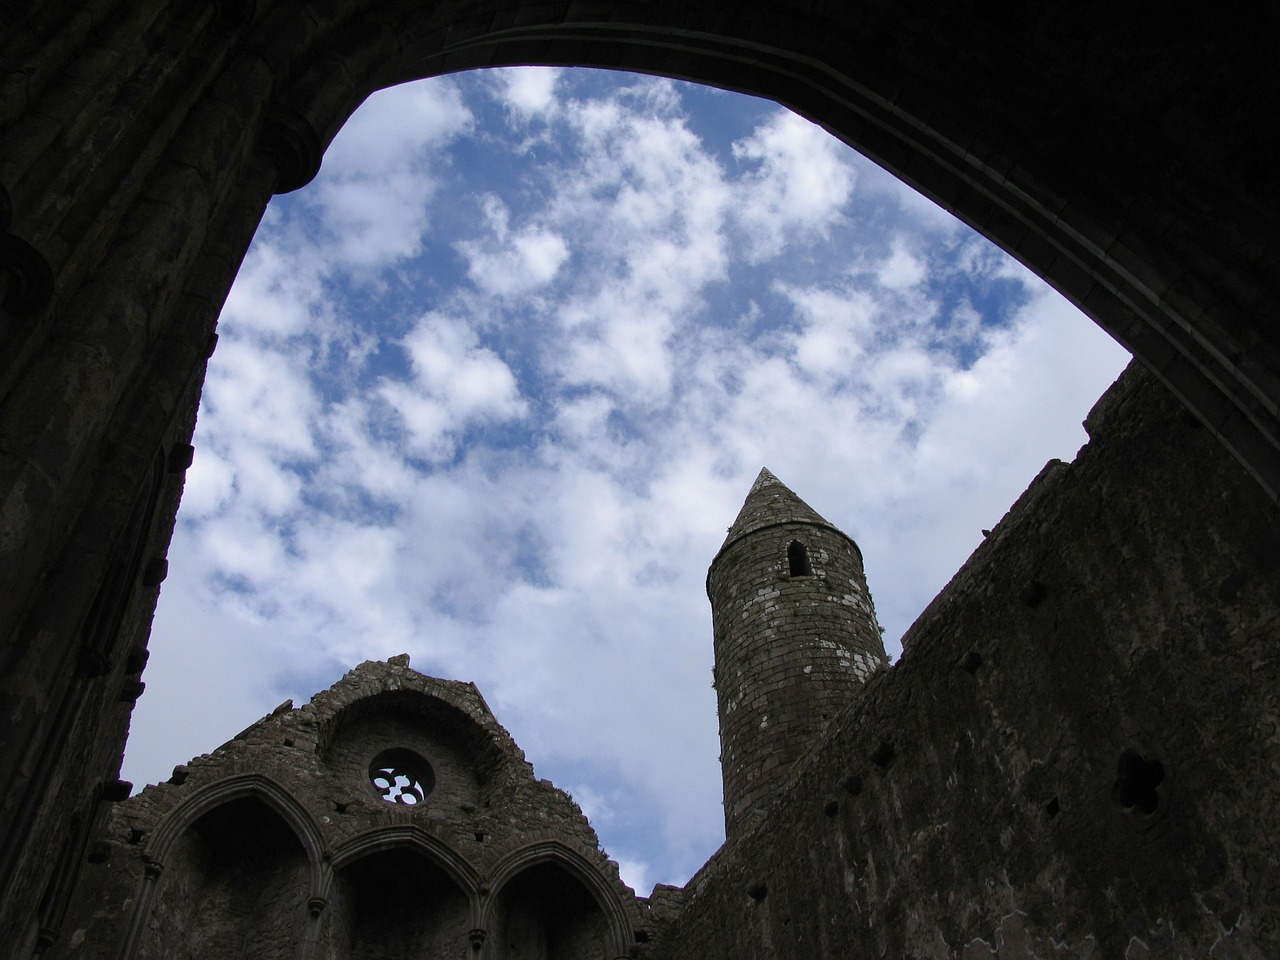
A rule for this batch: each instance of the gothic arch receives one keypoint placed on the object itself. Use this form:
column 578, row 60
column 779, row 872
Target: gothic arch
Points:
column 434, row 903
column 1092, row 256
column 414, row 837
column 188, row 813
column 143, row 141
column 554, row 852
column 256, row 785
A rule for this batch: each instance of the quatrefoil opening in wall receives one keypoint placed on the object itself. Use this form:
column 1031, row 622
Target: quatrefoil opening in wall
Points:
column 401, row 776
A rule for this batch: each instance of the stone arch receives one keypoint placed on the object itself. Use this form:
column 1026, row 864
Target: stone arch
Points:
column 466, row 751
column 401, row 889
column 198, row 880
column 891, row 110
column 410, row 836
column 216, row 794
column 142, row 142
column 618, row 927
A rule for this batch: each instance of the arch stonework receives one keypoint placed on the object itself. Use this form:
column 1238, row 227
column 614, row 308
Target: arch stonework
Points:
column 413, row 837
column 179, row 820
column 578, row 866
column 1125, row 158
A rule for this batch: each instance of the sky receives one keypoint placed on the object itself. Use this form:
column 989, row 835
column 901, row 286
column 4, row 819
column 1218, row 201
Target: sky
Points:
column 491, row 389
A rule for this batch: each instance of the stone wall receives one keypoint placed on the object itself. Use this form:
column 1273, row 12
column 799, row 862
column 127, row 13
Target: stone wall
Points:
column 1076, row 755
column 279, row 843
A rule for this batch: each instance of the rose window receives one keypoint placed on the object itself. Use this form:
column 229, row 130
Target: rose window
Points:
column 401, row 776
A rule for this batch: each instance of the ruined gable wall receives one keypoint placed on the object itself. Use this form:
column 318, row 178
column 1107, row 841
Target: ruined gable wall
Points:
column 963, row 807
column 489, row 818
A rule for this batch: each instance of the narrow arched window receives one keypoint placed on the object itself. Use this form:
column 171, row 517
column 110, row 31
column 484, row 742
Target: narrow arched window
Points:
column 798, row 559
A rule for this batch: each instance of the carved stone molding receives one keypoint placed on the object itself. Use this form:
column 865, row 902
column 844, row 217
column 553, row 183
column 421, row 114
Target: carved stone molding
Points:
column 292, row 144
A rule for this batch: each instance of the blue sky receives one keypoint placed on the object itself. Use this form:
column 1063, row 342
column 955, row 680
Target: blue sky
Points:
column 490, row 390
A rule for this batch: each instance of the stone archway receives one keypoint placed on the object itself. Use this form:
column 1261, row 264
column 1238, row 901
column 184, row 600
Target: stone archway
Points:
column 1124, row 160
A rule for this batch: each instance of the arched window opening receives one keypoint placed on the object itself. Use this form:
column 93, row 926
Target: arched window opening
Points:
column 798, row 559
column 244, row 858
column 546, row 914
column 397, row 905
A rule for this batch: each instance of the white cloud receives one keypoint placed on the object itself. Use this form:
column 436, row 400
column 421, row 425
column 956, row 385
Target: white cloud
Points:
column 378, row 176
column 510, row 264
column 901, row 269
column 802, row 179
column 394, row 129
column 208, row 485
column 530, row 91
column 456, row 382
column 276, row 293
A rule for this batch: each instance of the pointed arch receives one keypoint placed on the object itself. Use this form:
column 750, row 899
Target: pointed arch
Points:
column 414, row 837
column 175, row 825
column 618, row 926
column 432, row 901
column 250, row 785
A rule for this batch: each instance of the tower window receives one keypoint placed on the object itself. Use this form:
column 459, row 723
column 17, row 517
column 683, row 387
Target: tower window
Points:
column 798, row 559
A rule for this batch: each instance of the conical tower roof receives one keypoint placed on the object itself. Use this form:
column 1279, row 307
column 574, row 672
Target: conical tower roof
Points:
column 771, row 502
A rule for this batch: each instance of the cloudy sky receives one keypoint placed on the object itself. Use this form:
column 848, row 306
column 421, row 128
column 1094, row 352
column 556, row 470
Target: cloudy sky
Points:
column 490, row 390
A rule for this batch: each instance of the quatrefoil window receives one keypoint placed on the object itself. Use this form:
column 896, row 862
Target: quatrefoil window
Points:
column 401, row 776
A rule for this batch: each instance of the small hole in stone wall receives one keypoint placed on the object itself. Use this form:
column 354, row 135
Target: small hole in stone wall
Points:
column 757, row 891
column 1137, row 778
column 401, row 776
column 642, row 936
column 341, row 807
column 479, row 835
column 831, row 808
column 1051, row 808
column 288, row 741
column 798, row 559
column 971, row 661
column 99, row 852
column 884, row 755
column 1033, row 593
column 135, row 836
column 853, row 784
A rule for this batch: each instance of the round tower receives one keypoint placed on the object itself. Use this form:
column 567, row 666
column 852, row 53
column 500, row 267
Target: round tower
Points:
column 795, row 638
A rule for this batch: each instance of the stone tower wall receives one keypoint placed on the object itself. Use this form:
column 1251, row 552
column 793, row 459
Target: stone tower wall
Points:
column 1075, row 756
column 790, row 651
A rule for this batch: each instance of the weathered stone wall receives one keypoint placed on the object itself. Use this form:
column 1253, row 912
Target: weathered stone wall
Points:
column 140, row 142
column 456, row 787
column 791, row 649
column 982, row 797
column 278, row 839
